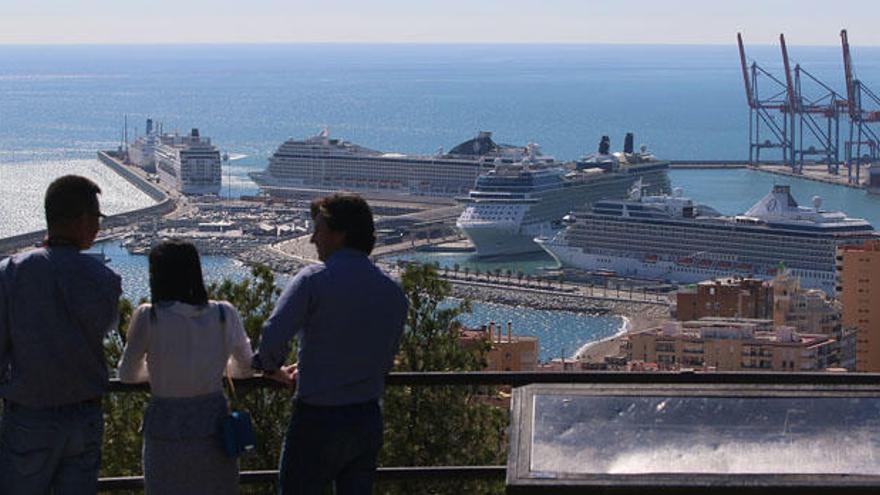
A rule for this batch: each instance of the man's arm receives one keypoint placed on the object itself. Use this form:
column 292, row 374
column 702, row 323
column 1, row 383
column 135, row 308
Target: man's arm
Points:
column 284, row 323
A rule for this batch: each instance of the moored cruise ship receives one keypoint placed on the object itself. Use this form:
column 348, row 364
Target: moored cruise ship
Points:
column 673, row 238
column 517, row 201
column 322, row 162
column 188, row 163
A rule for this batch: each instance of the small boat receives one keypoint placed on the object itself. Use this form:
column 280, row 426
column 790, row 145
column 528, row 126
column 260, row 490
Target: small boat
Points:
column 686, row 261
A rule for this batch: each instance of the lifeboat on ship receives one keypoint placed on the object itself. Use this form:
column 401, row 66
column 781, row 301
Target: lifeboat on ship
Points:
column 686, row 261
column 651, row 258
column 705, row 263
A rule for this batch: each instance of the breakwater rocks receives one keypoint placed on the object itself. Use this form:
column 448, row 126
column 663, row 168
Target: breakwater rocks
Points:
column 556, row 300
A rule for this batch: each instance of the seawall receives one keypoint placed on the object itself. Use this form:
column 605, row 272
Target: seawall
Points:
column 164, row 204
column 143, row 185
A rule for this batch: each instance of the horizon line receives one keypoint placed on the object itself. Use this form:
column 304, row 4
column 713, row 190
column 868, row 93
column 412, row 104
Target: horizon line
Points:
column 403, row 43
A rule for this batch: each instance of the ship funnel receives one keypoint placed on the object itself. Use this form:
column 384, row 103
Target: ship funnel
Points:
column 532, row 149
column 149, row 126
column 628, row 143
column 194, row 133
column 604, row 145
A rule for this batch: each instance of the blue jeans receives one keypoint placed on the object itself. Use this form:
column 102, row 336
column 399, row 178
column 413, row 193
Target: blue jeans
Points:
column 331, row 446
column 55, row 449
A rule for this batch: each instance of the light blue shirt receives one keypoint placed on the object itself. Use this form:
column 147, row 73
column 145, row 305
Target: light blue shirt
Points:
column 347, row 316
column 56, row 306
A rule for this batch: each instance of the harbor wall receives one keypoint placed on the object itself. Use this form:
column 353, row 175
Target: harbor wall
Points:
column 164, row 204
column 16, row 243
column 143, row 185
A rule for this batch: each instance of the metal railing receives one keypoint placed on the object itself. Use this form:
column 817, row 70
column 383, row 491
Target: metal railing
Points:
column 515, row 379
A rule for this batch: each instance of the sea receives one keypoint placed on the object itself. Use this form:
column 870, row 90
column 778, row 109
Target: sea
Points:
column 60, row 104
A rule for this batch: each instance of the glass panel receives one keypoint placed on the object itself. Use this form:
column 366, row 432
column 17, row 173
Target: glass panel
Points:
column 711, row 435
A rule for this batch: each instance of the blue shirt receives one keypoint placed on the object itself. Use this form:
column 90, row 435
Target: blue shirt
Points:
column 348, row 317
column 56, row 306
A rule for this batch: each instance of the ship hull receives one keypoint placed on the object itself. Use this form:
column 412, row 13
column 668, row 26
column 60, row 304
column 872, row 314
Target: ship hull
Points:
column 492, row 241
column 666, row 270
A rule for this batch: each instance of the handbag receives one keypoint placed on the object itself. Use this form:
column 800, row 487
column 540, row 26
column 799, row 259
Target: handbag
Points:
column 237, row 428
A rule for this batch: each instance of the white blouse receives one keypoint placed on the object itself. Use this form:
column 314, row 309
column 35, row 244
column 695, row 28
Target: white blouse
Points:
column 185, row 350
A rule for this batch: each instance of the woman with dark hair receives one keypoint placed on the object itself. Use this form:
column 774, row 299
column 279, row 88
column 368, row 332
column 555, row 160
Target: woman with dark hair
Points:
column 182, row 343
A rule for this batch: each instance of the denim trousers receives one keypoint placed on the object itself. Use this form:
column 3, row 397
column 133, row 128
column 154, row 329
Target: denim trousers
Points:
column 50, row 449
column 331, row 447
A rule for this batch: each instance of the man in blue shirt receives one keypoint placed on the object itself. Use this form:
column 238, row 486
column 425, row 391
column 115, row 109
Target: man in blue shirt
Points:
column 56, row 306
column 348, row 317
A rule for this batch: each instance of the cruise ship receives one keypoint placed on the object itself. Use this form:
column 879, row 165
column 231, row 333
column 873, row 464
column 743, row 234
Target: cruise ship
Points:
column 142, row 151
column 517, row 201
column 673, row 238
column 188, row 163
column 322, row 162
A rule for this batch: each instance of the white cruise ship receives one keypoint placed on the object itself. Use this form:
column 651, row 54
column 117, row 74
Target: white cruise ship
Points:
column 672, row 238
column 142, row 152
column 188, row 163
column 517, row 201
column 322, row 162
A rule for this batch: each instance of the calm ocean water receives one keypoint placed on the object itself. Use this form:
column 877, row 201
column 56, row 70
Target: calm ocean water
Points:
column 58, row 105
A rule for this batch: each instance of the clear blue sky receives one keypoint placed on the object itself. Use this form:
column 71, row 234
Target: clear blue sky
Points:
column 805, row 22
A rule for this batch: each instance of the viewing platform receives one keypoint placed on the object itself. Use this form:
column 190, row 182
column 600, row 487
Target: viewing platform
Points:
column 793, row 402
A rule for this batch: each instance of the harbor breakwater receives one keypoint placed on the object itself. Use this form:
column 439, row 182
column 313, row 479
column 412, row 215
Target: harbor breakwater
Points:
column 164, row 204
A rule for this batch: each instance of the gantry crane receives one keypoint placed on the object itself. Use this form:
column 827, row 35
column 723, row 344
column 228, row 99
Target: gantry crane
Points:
column 862, row 138
column 764, row 113
column 805, row 111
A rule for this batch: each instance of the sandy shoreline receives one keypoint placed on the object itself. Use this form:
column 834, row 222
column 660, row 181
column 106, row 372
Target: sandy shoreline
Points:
column 595, row 352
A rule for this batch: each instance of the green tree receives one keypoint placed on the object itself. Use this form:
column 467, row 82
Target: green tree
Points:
column 121, row 454
column 439, row 425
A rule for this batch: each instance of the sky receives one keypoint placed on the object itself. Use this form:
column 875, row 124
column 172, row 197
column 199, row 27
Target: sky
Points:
column 804, row 22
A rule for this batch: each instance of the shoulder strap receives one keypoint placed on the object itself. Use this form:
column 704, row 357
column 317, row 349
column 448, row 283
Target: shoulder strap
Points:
column 226, row 368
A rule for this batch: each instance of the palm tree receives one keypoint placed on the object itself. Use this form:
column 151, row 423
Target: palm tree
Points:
column 455, row 269
column 467, row 271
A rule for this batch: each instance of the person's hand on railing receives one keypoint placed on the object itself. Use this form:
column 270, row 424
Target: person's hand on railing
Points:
column 286, row 375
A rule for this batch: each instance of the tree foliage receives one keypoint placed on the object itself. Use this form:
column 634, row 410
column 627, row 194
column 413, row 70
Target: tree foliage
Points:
column 439, row 425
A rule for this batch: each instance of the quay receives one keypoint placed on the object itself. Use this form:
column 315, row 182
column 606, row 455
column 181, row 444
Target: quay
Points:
column 818, row 173
column 710, row 164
